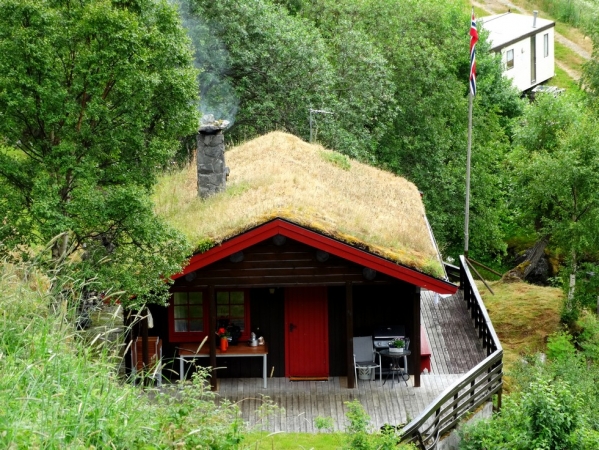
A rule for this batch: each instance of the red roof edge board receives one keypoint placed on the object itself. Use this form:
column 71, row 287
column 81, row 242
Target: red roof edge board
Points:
column 332, row 246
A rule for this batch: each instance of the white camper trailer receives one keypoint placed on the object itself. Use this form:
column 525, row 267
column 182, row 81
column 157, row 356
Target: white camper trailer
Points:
column 526, row 47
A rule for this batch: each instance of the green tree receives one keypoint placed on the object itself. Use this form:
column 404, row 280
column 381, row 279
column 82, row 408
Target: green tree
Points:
column 427, row 48
column 93, row 98
column 590, row 74
column 556, row 173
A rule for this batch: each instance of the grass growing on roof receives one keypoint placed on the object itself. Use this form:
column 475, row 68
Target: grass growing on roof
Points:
column 279, row 175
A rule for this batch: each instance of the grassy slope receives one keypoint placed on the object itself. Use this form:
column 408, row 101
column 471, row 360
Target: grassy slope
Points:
column 523, row 316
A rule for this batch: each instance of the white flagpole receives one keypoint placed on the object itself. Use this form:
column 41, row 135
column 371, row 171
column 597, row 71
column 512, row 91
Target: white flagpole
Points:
column 467, row 208
column 472, row 92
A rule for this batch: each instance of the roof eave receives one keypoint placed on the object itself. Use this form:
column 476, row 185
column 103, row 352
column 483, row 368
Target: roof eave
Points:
column 328, row 244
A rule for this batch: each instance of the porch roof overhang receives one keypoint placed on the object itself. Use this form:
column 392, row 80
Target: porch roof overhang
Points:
column 317, row 240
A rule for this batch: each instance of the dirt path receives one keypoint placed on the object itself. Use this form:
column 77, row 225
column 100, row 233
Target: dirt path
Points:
column 501, row 6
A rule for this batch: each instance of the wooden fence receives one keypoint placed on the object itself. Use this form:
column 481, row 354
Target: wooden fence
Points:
column 478, row 386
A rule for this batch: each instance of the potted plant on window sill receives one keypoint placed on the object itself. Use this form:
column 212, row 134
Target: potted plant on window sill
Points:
column 397, row 346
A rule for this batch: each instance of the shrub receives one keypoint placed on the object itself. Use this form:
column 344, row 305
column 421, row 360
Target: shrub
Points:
column 559, row 345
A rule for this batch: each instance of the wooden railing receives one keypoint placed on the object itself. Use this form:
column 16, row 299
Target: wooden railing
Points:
column 478, row 386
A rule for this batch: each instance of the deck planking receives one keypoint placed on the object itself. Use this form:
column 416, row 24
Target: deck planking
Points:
column 300, row 402
column 455, row 350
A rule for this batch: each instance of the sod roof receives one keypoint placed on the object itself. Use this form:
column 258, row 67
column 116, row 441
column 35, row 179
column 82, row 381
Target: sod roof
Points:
column 280, row 176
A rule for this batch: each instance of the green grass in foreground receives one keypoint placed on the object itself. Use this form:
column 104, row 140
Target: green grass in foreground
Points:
column 299, row 441
column 563, row 80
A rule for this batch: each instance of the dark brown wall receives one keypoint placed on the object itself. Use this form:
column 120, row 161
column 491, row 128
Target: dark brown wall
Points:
column 291, row 264
column 383, row 301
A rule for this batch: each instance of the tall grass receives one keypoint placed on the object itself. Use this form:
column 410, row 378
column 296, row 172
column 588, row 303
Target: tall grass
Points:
column 58, row 391
column 579, row 13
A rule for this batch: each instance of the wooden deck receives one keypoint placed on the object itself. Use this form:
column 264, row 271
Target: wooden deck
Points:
column 455, row 350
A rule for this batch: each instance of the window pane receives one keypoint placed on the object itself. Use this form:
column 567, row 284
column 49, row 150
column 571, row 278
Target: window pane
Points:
column 196, row 325
column 222, row 311
column 239, row 323
column 510, row 59
column 180, row 325
column 237, row 311
column 222, row 298
column 237, row 297
column 179, row 298
column 195, row 298
column 196, row 312
column 181, row 312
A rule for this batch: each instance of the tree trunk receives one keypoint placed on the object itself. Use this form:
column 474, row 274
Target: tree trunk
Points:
column 60, row 247
column 525, row 268
column 572, row 287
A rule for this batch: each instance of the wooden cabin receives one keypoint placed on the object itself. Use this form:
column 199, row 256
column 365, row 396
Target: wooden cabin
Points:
column 526, row 46
column 306, row 249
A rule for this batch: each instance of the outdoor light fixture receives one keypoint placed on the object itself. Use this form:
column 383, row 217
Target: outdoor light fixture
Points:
column 236, row 257
column 279, row 239
column 368, row 273
column 321, row 256
column 191, row 276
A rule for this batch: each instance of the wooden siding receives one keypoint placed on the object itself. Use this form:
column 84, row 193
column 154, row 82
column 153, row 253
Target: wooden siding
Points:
column 266, row 267
column 291, row 264
column 282, row 228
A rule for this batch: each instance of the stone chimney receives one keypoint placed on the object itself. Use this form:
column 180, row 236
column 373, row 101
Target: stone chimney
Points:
column 212, row 172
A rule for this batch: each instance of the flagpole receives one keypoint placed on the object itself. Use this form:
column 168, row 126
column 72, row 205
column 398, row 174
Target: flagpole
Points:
column 472, row 93
column 467, row 208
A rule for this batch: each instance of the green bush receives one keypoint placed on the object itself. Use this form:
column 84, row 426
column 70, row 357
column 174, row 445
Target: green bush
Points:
column 359, row 435
column 589, row 335
column 552, row 414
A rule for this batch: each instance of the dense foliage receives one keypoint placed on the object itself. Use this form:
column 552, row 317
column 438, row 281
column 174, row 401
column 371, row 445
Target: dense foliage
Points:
column 556, row 404
column 94, row 96
column 59, row 391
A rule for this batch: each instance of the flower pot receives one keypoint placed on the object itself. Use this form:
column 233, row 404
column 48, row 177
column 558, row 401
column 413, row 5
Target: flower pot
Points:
column 224, row 344
column 396, row 349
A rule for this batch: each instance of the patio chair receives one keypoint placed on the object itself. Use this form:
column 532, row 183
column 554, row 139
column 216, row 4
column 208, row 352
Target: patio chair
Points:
column 365, row 358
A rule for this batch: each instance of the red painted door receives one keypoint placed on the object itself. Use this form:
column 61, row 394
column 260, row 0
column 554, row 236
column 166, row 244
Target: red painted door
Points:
column 307, row 333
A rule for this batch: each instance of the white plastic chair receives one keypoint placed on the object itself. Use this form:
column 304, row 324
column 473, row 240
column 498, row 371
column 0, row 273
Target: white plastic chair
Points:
column 366, row 358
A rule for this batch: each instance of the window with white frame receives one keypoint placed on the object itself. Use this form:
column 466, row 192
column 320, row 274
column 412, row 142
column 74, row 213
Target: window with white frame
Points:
column 509, row 59
column 546, row 45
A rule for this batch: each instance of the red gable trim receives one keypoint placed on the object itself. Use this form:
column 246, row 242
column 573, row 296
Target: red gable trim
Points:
column 308, row 237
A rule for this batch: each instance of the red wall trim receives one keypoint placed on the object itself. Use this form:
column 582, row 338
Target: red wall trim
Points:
column 330, row 245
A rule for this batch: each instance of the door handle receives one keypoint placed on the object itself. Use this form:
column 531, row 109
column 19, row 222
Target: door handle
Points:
column 292, row 327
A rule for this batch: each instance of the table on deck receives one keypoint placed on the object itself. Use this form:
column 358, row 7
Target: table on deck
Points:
column 190, row 351
column 402, row 372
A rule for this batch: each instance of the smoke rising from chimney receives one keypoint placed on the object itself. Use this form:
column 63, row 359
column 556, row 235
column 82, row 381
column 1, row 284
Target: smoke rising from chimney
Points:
column 217, row 94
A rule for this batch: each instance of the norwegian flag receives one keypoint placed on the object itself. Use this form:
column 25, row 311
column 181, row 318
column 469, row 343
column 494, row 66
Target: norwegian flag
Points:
column 473, row 41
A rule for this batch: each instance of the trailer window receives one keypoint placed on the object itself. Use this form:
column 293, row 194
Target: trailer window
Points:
column 509, row 59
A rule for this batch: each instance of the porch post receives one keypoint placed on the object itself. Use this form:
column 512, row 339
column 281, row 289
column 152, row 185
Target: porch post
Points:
column 415, row 340
column 349, row 334
column 212, row 334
